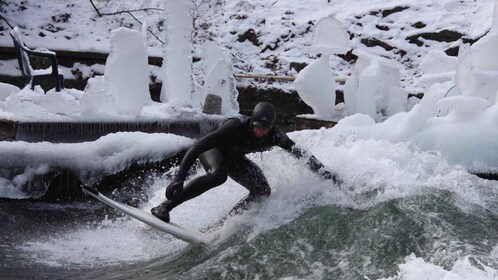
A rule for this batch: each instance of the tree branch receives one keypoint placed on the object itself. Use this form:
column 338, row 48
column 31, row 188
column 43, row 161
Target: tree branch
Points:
column 130, row 13
column 147, row 28
column 97, row 10
column 6, row 21
column 123, row 12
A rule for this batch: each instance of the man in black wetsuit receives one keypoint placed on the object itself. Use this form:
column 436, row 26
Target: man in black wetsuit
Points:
column 222, row 154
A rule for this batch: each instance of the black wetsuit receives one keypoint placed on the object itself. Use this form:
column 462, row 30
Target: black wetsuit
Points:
column 222, row 153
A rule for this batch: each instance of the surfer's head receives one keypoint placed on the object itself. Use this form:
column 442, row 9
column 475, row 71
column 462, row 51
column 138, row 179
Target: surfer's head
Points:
column 262, row 119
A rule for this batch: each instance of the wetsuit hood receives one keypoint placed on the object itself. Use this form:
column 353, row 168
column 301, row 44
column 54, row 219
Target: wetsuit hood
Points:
column 263, row 115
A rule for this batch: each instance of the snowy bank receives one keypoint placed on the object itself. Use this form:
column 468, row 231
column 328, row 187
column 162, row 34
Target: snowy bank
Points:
column 89, row 161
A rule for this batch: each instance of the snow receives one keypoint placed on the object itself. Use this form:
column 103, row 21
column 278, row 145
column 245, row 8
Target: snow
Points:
column 458, row 92
column 494, row 25
column 416, row 268
column 7, row 90
column 286, row 25
column 455, row 124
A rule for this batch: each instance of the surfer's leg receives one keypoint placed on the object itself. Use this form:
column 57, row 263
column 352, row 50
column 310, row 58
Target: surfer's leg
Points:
column 212, row 161
column 249, row 175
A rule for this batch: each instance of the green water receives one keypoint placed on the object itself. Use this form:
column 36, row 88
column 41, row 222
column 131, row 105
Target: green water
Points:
column 323, row 242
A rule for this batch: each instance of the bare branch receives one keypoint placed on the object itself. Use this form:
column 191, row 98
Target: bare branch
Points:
column 97, row 10
column 256, row 76
column 6, row 21
column 147, row 28
column 130, row 13
column 285, row 78
column 123, row 12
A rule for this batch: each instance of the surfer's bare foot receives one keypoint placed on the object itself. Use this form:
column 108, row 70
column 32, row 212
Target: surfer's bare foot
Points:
column 162, row 211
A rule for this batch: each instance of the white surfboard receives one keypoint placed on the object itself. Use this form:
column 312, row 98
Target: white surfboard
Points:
column 175, row 230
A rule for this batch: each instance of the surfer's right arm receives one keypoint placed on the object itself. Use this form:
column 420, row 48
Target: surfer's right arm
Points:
column 284, row 142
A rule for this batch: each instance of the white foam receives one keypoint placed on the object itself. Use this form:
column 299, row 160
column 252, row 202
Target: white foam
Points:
column 416, row 268
column 390, row 170
column 102, row 244
column 125, row 240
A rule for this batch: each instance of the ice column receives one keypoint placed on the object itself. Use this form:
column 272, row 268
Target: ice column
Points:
column 177, row 62
column 374, row 86
column 126, row 71
column 477, row 71
column 330, row 37
column 494, row 26
column 437, row 67
column 220, row 80
column 368, row 89
column 315, row 84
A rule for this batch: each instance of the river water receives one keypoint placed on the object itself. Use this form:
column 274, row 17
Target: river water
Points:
column 399, row 213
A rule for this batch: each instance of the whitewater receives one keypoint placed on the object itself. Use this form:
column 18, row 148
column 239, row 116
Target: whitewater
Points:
column 399, row 213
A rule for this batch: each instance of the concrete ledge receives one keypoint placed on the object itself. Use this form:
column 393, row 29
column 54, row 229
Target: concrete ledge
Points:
column 73, row 132
column 67, row 58
column 7, row 131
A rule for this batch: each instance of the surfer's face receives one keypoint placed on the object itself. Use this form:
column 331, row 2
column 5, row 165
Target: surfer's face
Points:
column 260, row 132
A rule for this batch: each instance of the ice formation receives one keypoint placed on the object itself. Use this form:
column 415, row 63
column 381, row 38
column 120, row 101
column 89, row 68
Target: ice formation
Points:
column 126, row 72
column 177, row 62
column 374, row 87
column 315, row 84
column 220, row 80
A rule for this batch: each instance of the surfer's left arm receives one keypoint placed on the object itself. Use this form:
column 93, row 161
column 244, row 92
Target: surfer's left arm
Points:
column 313, row 163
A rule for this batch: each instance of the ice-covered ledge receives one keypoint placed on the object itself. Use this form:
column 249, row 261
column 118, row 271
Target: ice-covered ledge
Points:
column 117, row 101
column 83, row 130
column 66, row 116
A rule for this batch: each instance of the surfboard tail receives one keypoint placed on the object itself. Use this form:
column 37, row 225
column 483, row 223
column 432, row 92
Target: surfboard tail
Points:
column 90, row 190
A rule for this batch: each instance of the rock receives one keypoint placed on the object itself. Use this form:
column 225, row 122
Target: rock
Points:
column 212, row 105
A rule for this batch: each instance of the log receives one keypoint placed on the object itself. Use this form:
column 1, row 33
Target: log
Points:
column 256, row 76
column 285, row 78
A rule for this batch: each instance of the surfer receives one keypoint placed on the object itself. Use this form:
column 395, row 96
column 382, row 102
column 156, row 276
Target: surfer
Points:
column 222, row 154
